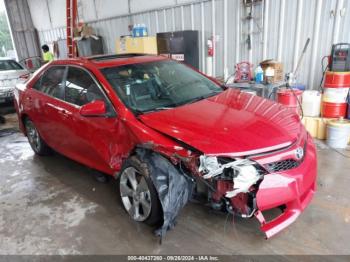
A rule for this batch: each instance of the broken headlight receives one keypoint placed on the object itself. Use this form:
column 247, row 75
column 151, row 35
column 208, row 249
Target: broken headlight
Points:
column 244, row 175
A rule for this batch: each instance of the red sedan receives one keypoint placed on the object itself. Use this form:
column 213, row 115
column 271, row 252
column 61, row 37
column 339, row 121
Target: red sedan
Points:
column 168, row 134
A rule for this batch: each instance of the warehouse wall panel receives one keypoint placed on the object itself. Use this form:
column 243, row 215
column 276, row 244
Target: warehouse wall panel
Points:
column 57, row 11
column 287, row 26
column 87, row 10
column 110, row 8
column 40, row 14
column 24, row 35
column 142, row 5
column 179, row 2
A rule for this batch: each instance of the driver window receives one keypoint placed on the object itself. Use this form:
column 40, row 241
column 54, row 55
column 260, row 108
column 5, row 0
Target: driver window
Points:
column 80, row 88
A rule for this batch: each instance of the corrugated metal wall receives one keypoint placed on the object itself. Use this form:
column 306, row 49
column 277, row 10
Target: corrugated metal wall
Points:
column 24, row 35
column 278, row 31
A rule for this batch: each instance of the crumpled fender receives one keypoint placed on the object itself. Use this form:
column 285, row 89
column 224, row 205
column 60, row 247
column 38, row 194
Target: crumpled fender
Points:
column 174, row 188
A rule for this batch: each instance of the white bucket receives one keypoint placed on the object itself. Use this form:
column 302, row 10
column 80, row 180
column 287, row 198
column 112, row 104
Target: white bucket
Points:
column 335, row 95
column 311, row 103
column 338, row 133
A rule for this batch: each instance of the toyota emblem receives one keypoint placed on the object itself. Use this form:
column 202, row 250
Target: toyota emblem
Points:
column 299, row 153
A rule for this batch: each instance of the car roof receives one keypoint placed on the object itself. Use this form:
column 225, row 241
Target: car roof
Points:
column 6, row 59
column 104, row 61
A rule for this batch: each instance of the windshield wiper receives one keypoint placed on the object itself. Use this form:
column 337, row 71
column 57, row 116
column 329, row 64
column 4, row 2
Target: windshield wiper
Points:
column 138, row 112
column 199, row 98
column 160, row 108
column 171, row 106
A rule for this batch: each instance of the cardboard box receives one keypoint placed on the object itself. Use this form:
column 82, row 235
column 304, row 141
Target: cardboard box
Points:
column 316, row 126
column 87, row 31
column 83, row 31
column 137, row 45
column 277, row 67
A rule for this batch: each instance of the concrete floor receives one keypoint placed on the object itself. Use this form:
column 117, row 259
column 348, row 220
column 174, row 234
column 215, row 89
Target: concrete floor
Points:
column 52, row 205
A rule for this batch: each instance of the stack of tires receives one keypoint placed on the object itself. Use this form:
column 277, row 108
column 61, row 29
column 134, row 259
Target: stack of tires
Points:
column 335, row 94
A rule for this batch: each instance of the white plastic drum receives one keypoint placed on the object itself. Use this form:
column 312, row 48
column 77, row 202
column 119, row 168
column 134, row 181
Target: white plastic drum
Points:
column 311, row 103
column 338, row 133
column 335, row 95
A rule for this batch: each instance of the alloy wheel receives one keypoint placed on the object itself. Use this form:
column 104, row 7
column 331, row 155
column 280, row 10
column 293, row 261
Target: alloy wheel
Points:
column 33, row 136
column 135, row 194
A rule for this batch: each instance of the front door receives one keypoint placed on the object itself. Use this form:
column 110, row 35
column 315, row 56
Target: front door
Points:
column 91, row 140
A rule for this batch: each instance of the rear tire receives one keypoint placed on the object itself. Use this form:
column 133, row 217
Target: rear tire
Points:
column 138, row 194
column 36, row 142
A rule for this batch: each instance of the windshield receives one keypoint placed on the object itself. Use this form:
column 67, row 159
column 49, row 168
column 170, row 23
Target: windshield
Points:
column 9, row 65
column 159, row 85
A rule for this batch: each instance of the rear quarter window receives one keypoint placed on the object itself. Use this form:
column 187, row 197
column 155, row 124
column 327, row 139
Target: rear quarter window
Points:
column 51, row 82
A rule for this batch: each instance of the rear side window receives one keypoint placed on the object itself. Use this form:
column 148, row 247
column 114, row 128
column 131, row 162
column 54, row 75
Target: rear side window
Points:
column 51, row 82
column 9, row 65
column 80, row 88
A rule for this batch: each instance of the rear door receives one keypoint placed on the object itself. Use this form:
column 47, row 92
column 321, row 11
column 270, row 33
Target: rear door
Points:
column 91, row 140
column 44, row 106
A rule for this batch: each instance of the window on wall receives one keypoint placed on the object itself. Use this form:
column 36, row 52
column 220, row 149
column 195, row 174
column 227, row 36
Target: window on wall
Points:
column 51, row 82
column 80, row 88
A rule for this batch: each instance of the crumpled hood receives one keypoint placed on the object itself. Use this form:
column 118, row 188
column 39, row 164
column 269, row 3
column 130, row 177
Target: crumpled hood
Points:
column 232, row 123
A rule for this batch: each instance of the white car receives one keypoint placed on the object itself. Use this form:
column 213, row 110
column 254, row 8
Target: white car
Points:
column 11, row 73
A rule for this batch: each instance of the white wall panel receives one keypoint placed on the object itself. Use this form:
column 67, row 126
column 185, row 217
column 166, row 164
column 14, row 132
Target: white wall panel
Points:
column 22, row 29
column 40, row 14
column 57, row 10
column 144, row 5
column 179, row 2
column 111, row 8
column 170, row 15
column 87, row 10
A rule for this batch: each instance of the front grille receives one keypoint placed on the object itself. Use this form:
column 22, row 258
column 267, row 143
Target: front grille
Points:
column 283, row 165
column 286, row 164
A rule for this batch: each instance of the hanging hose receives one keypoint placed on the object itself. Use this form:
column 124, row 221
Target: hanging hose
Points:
column 324, row 70
column 295, row 73
column 298, row 100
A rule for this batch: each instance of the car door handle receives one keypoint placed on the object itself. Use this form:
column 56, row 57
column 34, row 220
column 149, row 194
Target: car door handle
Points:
column 64, row 112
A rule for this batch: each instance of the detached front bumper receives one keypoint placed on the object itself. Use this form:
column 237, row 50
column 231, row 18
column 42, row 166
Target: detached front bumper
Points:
column 293, row 189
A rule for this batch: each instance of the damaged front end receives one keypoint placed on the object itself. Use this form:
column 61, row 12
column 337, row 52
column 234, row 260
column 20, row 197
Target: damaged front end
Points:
column 249, row 186
column 246, row 187
column 235, row 181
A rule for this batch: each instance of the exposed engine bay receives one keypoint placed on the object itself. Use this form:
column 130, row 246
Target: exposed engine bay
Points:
column 235, row 182
column 229, row 185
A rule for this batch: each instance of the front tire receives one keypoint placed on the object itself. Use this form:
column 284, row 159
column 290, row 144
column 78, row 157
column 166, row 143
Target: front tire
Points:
column 138, row 194
column 36, row 142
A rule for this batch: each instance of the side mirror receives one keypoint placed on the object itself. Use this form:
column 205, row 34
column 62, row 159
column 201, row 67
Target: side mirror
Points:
column 94, row 108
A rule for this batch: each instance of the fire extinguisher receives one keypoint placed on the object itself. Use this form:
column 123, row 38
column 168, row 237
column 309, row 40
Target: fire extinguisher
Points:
column 210, row 44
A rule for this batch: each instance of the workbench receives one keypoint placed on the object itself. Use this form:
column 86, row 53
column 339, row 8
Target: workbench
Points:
column 264, row 90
